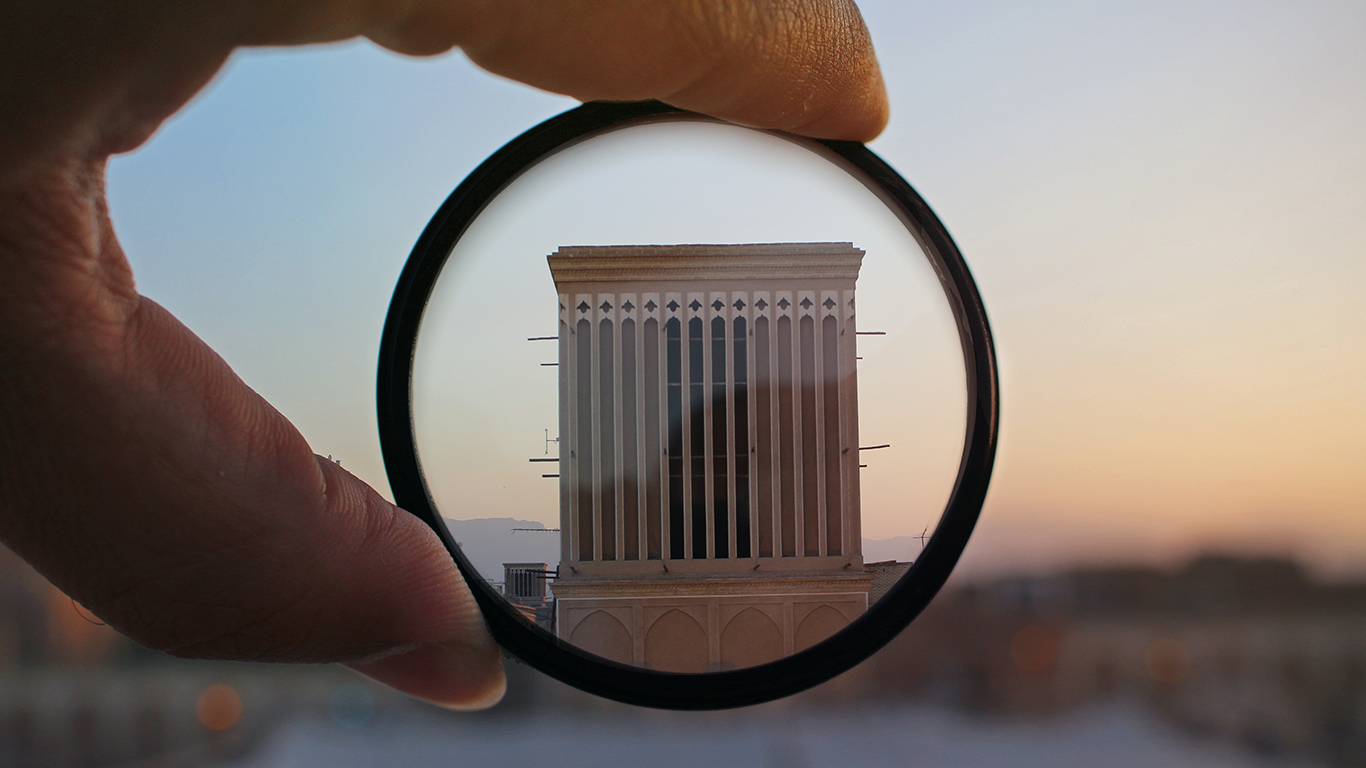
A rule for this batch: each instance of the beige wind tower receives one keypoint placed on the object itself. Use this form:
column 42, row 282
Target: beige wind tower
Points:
column 709, row 463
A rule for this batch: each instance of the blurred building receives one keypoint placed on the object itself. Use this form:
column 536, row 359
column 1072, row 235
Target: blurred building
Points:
column 76, row 693
column 524, row 589
column 1249, row 650
column 709, row 489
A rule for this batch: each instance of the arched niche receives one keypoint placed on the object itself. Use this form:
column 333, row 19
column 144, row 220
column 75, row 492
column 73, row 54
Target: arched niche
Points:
column 676, row 643
column 601, row 633
column 818, row 625
column 750, row 638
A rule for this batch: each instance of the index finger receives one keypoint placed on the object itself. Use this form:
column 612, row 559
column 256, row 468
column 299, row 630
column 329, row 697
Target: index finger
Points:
column 805, row 66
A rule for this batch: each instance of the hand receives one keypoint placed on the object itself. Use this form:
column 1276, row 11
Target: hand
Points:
column 137, row 472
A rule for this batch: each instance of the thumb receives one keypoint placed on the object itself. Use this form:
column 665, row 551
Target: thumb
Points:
column 142, row 477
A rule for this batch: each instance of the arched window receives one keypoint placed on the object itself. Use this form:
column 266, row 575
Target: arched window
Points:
column 763, row 441
column 787, row 469
column 630, row 473
column 653, row 448
column 741, row 389
column 607, row 482
column 674, row 377
column 830, row 383
column 811, row 542
column 583, row 437
column 720, row 453
column 697, row 437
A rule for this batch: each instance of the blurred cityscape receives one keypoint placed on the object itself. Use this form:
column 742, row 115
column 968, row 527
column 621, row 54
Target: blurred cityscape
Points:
column 1226, row 660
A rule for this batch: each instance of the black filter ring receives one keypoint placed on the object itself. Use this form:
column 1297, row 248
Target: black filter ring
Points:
column 713, row 690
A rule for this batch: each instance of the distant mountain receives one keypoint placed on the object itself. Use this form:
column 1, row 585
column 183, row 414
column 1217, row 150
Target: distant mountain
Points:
column 903, row 549
column 491, row 541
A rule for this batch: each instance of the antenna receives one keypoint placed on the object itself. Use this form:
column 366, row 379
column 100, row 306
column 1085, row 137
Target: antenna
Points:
column 871, row 448
column 544, row 338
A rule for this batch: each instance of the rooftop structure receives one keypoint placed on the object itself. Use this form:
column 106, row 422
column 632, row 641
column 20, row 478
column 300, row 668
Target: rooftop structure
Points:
column 709, row 471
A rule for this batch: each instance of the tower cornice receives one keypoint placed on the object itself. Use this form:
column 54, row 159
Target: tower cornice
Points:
column 704, row 263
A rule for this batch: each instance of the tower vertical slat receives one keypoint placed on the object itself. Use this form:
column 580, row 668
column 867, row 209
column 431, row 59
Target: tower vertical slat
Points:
column 618, row 506
column 751, row 430
column 853, row 523
column 685, row 427
column 638, row 422
column 764, row 414
column 581, row 331
column 655, row 485
column 791, row 382
column 834, row 415
column 817, row 375
column 699, row 427
column 675, row 416
column 722, row 456
column 564, row 372
column 595, row 421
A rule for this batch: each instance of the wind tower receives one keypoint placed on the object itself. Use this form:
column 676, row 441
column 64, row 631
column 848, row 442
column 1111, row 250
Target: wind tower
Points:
column 709, row 474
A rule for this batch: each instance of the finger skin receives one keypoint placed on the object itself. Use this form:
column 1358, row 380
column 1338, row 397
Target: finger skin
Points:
column 146, row 480
column 143, row 478
column 797, row 65
column 95, row 78
column 137, row 472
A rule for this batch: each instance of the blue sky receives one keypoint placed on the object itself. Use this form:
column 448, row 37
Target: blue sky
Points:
column 1162, row 203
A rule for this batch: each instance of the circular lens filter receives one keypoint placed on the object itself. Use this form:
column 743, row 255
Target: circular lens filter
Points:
column 705, row 414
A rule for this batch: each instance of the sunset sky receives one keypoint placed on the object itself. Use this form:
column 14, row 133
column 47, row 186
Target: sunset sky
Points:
column 682, row 182
column 1163, row 203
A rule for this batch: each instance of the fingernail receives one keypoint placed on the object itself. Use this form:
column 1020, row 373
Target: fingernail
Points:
column 457, row 676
